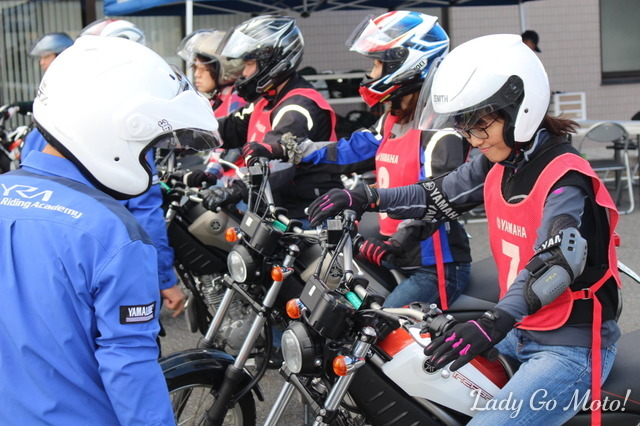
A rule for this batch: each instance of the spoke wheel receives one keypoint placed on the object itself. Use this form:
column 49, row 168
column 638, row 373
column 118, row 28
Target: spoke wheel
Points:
column 190, row 402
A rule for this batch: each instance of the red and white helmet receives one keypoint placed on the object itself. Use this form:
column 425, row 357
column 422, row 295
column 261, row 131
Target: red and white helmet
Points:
column 406, row 43
column 114, row 28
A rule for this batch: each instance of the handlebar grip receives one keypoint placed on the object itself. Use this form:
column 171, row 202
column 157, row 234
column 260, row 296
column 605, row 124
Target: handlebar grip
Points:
column 490, row 354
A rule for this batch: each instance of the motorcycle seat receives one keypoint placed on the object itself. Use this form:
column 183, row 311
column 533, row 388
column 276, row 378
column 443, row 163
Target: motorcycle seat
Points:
column 482, row 292
column 624, row 375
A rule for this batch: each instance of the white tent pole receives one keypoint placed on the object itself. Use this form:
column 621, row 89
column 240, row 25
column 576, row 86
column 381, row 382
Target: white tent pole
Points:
column 523, row 23
column 188, row 25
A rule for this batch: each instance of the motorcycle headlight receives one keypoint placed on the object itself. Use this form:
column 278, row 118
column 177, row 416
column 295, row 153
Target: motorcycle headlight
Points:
column 299, row 350
column 241, row 264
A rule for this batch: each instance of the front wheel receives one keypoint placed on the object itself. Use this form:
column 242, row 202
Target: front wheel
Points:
column 192, row 395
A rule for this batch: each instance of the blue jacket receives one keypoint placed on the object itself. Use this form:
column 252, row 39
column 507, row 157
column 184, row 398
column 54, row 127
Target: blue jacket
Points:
column 146, row 208
column 78, row 312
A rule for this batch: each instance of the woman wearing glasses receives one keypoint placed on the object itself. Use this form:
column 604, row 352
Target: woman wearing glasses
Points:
column 551, row 228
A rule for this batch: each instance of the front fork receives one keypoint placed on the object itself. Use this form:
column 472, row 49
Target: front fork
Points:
column 324, row 414
column 235, row 372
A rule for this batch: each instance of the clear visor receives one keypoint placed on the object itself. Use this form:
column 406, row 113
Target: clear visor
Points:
column 436, row 110
column 201, row 42
column 184, row 83
column 186, row 138
column 241, row 46
column 181, row 139
column 369, row 40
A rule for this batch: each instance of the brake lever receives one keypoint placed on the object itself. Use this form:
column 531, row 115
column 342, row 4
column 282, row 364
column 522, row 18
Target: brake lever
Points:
column 416, row 334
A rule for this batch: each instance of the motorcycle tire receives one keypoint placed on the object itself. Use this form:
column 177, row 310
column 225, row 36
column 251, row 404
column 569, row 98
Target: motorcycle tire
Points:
column 192, row 395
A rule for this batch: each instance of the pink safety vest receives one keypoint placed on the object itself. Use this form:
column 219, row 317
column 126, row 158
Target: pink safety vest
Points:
column 398, row 164
column 512, row 235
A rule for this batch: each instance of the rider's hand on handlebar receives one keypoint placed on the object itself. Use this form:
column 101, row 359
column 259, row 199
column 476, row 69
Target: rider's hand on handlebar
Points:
column 469, row 339
column 359, row 200
column 217, row 196
column 252, row 150
column 195, row 178
column 375, row 250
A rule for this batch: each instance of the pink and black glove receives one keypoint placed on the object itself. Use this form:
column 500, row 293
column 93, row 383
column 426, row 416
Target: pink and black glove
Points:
column 335, row 201
column 469, row 339
column 375, row 250
column 253, row 150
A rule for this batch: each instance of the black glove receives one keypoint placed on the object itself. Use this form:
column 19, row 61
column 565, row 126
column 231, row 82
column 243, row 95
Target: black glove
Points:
column 375, row 250
column 215, row 197
column 252, row 150
column 195, row 178
column 466, row 340
column 359, row 200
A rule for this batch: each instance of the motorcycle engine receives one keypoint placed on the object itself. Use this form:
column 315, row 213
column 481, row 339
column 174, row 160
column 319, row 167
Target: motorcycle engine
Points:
column 235, row 327
column 237, row 322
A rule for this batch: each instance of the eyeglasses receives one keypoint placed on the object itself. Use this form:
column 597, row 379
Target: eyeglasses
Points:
column 477, row 132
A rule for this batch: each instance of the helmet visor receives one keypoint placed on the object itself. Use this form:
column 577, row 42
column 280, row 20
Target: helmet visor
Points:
column 257, row 47
column 201, row 42
column 383, row 44
column 193, row 139
column 185, row 84
column 437, row 108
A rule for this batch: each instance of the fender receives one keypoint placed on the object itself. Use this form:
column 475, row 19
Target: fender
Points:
column 209, row 363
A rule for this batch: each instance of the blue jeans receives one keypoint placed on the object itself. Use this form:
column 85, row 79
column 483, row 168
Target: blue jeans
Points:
column 549, row 387
column 422, row 285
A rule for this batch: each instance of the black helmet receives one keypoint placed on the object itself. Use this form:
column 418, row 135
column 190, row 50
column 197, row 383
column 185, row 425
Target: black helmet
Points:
column 274, row 42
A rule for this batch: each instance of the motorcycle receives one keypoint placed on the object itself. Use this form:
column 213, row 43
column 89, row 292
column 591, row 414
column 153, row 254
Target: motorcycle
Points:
column 269, row 264
column 11, row 142
column 356, row 363
column 196, row 235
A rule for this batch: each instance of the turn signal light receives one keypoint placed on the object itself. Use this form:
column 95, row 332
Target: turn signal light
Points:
column 341, row 365
column 293, row 308
column 277, row 274
column 231, row 235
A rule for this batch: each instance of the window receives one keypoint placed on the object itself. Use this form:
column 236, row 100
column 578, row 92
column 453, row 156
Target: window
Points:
column 620, row 41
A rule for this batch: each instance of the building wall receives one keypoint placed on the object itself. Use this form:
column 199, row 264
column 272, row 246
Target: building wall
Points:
column 569, row 33
column 568, row 29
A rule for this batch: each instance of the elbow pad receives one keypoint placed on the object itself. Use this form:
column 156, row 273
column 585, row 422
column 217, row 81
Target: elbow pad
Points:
column 554, row 268
column 438, row 206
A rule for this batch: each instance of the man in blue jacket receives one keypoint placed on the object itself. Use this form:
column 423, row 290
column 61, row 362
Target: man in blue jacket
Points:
column 146, row 208
column 79, row 305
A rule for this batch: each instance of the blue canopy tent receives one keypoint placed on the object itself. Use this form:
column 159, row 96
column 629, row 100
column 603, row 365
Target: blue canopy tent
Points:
column 171, row 7
column 304, row 7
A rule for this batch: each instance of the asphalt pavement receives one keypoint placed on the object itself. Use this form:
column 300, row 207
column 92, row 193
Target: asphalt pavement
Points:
column 179, row 338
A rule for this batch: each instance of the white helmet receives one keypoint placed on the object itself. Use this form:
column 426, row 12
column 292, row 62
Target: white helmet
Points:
column 205, row 43
column 114, row 28
column 487, row 74
column 106, row 101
